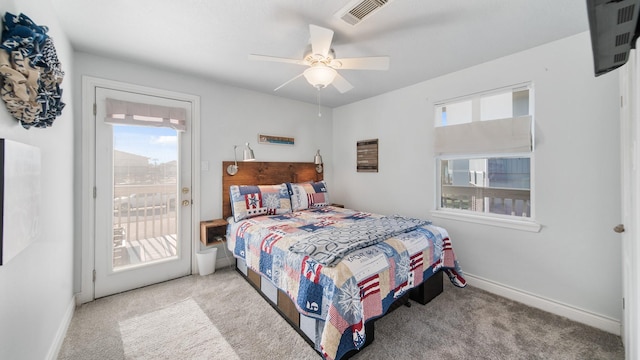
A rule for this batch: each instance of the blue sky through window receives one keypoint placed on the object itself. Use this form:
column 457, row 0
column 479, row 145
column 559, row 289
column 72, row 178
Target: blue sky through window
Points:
column 157, row 143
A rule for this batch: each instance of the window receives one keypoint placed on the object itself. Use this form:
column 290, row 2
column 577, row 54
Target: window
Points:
column 483, row 149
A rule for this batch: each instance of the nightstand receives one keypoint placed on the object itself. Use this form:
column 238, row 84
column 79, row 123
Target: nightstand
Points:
column 213, row 231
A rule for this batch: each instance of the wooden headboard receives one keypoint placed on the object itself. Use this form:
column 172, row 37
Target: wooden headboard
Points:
column 265, row 173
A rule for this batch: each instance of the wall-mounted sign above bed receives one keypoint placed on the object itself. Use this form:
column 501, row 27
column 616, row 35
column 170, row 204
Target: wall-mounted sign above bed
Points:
column 31, row 72
column 367, row 155
column 279, row 140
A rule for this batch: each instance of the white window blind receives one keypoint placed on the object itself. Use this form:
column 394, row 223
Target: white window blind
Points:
column 484, row 147
column 511, row 135
column 130, row 113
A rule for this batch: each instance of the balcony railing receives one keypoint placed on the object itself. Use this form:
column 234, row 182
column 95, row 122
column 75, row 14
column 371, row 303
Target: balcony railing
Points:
column 507, row 201
column 144, row 223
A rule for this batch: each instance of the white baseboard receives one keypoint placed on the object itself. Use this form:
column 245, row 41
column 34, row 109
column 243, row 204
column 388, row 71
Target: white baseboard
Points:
column 62, row 330
column 571, row 312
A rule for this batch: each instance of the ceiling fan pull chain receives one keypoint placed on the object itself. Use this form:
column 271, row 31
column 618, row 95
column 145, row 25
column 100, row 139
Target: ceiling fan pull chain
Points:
column 319, row 109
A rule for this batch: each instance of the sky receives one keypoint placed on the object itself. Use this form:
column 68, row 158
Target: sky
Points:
column 153, row 142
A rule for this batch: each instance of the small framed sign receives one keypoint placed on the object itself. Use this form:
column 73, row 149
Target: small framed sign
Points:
column 278, row 140
column 367, row 155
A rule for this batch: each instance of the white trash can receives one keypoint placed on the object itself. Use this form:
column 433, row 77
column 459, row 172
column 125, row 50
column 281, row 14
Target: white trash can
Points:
column 207, row 261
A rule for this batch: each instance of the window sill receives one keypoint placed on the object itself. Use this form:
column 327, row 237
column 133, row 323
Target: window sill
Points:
column 522, row 225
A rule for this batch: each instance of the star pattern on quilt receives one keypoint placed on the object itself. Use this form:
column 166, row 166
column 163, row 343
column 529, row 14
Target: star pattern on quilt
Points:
column 403, row 266
column 271, row 201
column 349, row 300
column 253, row 201
column 345, row 304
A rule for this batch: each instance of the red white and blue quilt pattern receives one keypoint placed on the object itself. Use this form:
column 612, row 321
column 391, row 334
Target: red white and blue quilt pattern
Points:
column 360, row 287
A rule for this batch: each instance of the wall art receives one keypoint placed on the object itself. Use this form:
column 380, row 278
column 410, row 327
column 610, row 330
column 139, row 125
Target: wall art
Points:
column 31, row 72
column 280, row 140
column 20, row 194
column 367, row 155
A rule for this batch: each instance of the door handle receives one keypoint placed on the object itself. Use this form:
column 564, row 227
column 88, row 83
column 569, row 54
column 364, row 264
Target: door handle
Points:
column 619, row 228
column 186, row 202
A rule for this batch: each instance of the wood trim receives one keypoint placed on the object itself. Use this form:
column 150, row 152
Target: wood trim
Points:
column 265, row 173
column 288, row 308
column 212, row 231
column 254, row 278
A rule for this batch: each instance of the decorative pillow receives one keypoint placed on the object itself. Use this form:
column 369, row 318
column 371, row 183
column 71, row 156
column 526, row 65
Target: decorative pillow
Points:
column 250, row 201
column 307, row 195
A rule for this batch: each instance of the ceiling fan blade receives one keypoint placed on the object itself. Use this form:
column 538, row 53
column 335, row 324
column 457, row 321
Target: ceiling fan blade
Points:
column 341, row 84
column 362, row 63
column 276, row 59
column 320, row 39
column 297, row 76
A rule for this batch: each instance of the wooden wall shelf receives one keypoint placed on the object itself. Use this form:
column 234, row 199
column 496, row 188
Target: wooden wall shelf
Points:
column 213, row 231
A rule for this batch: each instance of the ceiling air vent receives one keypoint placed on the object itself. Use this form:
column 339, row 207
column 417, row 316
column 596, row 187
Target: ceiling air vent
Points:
column 358, row 10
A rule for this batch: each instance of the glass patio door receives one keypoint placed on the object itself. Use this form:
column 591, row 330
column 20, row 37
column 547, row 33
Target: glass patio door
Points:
column 143, row 197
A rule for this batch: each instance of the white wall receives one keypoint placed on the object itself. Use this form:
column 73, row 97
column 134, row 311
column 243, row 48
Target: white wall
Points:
column 36, row 300
column 574, row 261
column 229, row 116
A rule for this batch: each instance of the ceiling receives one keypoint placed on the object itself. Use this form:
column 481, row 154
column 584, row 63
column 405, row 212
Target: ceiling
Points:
column 213, row 38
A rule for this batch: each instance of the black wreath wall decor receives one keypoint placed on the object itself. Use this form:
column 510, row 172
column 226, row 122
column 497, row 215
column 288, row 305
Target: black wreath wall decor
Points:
column 31, row 72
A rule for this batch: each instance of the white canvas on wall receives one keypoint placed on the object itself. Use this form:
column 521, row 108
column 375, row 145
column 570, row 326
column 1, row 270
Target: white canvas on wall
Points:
column 20, row 196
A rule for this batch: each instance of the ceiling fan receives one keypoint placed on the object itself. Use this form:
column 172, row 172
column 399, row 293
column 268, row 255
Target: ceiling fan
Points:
column 322, row 63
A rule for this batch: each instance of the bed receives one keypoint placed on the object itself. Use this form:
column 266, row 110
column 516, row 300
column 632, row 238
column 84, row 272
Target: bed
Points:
column 329, row 271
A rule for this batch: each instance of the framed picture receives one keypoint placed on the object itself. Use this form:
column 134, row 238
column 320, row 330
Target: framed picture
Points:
column 277, row 140
column 20, row 189
column 367, row 155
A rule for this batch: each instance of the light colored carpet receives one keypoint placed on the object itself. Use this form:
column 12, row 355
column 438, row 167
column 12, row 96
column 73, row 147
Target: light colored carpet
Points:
column 179, row 331
column 459, row 324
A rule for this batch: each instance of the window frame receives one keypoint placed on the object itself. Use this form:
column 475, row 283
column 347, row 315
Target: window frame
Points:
column 500, row 220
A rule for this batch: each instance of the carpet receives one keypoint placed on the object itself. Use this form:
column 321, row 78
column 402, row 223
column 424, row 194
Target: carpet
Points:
column 459, row 324
column 178, row 331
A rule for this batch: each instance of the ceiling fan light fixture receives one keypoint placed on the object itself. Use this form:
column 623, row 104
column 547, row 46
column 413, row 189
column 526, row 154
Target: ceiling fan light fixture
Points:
column 323, row 65
column 320, row 76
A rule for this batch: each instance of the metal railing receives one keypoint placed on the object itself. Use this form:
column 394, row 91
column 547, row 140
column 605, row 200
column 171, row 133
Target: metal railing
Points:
column 507, row 201
column 144, row 222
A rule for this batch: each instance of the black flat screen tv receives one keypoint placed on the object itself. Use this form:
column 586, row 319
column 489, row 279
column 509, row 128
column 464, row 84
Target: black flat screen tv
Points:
column 613, row 25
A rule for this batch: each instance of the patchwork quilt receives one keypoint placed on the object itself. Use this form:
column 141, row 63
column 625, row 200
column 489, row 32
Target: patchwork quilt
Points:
column 343, row 289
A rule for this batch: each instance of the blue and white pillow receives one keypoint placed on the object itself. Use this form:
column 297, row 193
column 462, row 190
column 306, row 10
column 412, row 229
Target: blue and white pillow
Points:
column 254, row 200
column 308, row 195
